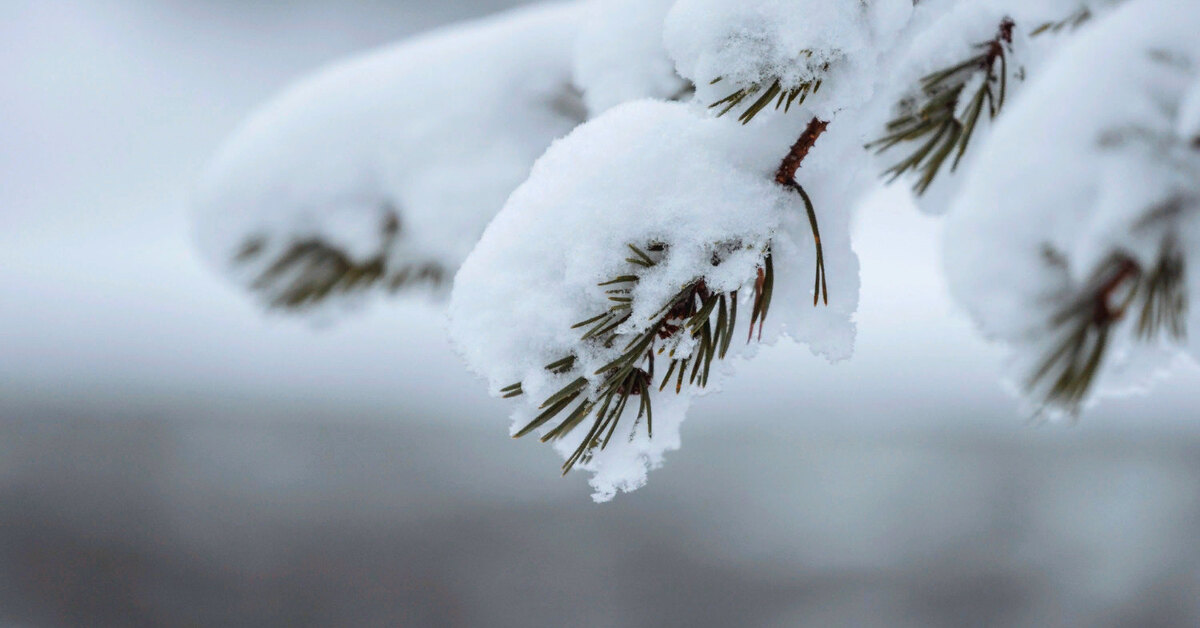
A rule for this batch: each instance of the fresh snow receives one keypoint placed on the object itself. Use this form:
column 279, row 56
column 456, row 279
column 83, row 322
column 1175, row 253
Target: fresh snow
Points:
column 619, row 54
column 432, row 134
column 644, row 172
column 1100, row 168
column 754, row 43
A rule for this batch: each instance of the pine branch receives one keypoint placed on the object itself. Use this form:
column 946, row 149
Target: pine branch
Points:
column 1085, row 322
column 786, row 176
column 776, row 92
column 695, row 314
column 1164, row 301
column 1071, row 22
column 308, row 271
column 940, row 122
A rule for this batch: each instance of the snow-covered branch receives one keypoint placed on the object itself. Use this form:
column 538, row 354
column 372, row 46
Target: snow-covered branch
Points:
column 1062, row 137
column 379, row 173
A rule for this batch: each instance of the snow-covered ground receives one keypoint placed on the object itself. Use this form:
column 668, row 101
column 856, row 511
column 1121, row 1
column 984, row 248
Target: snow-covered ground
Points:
column 170, row 454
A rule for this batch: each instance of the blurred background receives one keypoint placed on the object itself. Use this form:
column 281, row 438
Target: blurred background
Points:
column 169, row 455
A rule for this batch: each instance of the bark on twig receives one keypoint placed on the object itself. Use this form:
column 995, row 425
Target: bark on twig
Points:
column 786, row 176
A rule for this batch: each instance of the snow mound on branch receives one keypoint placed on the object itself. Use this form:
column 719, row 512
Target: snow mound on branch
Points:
column 756, row 42
column 644, row 172
column 392, row 162
column 620, row 56
column 944, row 33
column 1073, row 173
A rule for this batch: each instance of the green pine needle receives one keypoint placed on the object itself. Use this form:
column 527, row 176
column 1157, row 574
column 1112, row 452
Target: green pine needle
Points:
column 1071, row 22
column 305, row 272
column 936, row 125
column 759, row 98
column 309, row 271
column 1084, row 324
column 707, row 318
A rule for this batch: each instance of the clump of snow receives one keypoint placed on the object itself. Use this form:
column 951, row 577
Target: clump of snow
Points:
column 644, row 172
column 943, row 33
column 401, row 155
column 619, row 55
column 1073, row 174
column 836, row 179
column 757, row 42
column 400, row 158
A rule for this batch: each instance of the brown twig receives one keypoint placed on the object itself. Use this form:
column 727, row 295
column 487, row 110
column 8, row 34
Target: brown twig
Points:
column 786, row 176
column 940, row 120
column 1105, row 312
column 1084, row 325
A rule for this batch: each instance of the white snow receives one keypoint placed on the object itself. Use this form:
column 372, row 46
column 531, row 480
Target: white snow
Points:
column 462, row 114
column 1074, row 169
column 942, row 33
column 756, row 42
column 619, row 55
column 434, row 132
column 644, row 172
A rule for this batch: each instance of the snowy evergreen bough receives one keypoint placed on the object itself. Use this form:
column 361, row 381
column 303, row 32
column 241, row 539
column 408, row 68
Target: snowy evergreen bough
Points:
column 1077, row 253
column 709, row 157
column 941, row 119
column 378, row 174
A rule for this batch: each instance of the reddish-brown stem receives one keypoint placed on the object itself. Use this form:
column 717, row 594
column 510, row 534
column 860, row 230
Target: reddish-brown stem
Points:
column 1105, row 312
column 786, row 175
column 995, row 47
